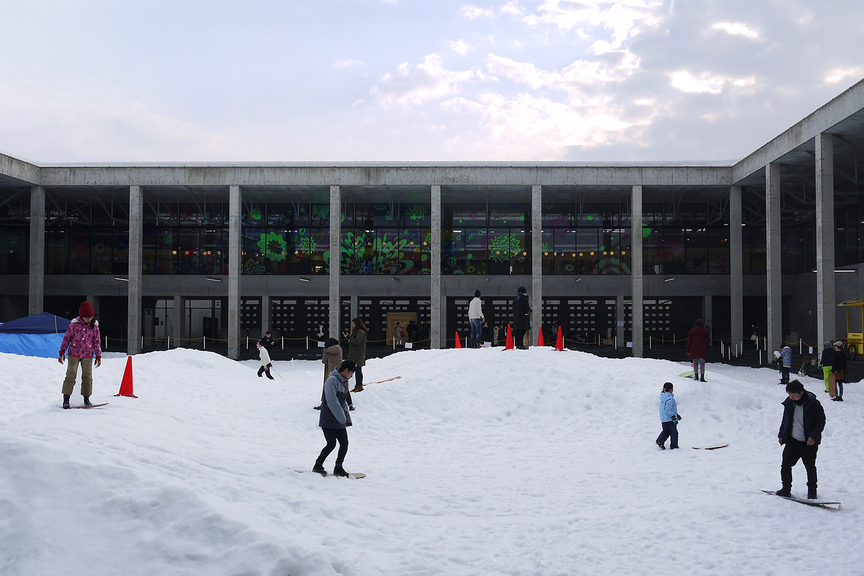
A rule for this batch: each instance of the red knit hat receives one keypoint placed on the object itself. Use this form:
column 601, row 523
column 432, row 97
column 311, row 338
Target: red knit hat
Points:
column 86, row 310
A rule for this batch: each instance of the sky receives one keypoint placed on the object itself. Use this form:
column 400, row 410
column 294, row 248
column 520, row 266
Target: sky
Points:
column 400, row 80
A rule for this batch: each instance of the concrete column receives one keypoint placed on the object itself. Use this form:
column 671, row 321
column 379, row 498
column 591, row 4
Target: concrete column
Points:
column 736, row 268
column 335, row 259
column 826, row 304
column 536, row 261
column 774, row 256
column 136, row 256
column 436, row 315
column 234, row 253
column 36, row 304
column 178, row 320
column 636, row 270
column 266, row 314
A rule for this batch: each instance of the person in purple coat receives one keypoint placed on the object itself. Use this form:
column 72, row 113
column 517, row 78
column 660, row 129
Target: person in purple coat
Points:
column 698, row 340
column 82, row 341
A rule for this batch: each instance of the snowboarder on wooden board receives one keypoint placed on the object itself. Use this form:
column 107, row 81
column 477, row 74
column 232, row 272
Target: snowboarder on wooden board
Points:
column 800, row 434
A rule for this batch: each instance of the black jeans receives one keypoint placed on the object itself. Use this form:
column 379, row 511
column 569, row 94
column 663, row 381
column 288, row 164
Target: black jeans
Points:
column 794, row 451
column 333, row 435
column 265, row 370
column 669, row 429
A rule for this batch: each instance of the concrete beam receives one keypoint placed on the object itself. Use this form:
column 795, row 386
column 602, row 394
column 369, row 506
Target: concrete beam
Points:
column 36, row 300
column 636, row 271
column 736, row 268
column 18, row 169
column 488, row 174
column 135, row 275
column 774, row 251
column 826, row 303
column 335, row 261
column 234, row 250
column 436, row 318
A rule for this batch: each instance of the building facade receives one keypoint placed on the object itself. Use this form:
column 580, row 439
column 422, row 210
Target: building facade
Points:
column 632, row 253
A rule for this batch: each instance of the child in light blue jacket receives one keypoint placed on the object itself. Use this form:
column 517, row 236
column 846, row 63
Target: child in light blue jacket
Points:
column 668, row 417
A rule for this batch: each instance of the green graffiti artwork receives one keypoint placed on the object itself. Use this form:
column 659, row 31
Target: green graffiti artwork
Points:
column 369, row 254
column 416, row 212
column 503, row 247
column 273, row 246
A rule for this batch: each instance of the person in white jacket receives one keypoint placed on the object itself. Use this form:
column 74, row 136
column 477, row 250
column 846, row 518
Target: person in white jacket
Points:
column 265, row 361
column 475, row 317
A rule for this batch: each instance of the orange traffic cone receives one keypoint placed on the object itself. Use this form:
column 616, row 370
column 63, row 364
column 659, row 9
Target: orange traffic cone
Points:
column 509, row 345
column 540, row 337
column 126, row 384
column 458, row 344
column 559, row 345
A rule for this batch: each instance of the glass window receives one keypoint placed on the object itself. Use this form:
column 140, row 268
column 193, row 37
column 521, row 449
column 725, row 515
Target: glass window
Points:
column 103, row 242
column 57, row 253
column 79, row 252
column 14, row 253
column 120, row 257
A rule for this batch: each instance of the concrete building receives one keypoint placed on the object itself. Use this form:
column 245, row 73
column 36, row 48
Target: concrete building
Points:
column 631, row 253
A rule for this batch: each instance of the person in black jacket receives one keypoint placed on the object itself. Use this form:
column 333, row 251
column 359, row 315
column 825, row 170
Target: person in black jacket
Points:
column 800, row 433
column 267, row 341
column 838, row 369
column 521, row 317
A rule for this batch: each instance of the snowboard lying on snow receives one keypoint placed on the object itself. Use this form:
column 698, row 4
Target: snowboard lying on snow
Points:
column 711, row 446
column 816, row 503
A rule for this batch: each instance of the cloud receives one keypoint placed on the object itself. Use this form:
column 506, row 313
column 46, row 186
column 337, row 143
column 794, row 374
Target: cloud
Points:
column 460, row 47
column 707, row 83
column 414, row 85
column 472, row 12
column 347, row 63
column 736, row 29
column 838, row 74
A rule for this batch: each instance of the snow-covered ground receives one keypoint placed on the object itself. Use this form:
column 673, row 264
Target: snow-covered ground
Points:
column 477, row 462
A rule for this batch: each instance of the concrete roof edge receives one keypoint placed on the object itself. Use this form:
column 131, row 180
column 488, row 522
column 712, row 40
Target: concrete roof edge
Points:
column 821, row 120
column 19, row 169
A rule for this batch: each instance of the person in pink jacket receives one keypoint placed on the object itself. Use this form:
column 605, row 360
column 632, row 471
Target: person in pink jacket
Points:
column 82, row 342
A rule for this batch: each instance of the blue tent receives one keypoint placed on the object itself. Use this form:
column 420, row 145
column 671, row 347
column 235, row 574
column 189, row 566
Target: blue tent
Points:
column 38, row 335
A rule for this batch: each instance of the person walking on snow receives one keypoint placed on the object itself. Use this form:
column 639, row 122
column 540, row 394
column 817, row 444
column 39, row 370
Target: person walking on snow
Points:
column 357, row 351
column 698, row 340
column 82, row 340
column 265, row 361
column 335, row 418
column 827, row 361
column 475, row 317
column 800, row 434
column 668, row 418
column 785, row 364
column 838, row 369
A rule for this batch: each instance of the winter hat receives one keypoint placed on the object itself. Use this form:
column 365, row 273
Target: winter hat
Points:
column 477, row 293
column 838, row 344
column 86, row 310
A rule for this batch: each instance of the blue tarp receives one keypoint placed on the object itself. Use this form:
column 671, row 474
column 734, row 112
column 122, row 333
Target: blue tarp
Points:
column 38, row 335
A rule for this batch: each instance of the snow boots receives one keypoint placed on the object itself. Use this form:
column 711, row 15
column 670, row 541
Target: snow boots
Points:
column 339, row 471
column 319, row 469
column 66, row 400
column 87, row 401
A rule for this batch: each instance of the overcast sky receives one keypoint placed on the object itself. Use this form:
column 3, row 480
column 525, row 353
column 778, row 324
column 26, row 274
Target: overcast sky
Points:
column 424, row 80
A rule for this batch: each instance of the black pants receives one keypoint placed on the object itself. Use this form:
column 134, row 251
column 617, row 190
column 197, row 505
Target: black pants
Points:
column 793, row 452
column 670, row 429
column 519, row 338
column 265, row 370
column 333, row 435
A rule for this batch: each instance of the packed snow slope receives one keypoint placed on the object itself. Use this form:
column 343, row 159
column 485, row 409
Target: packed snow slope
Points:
column 478, row 462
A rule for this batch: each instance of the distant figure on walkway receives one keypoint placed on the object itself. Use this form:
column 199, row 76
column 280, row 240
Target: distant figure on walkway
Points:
column 698, row 340
column 838, row 370
column 826, row 361
column 475, row 317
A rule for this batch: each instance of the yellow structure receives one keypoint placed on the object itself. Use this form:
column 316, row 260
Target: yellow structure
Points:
column 854, row 340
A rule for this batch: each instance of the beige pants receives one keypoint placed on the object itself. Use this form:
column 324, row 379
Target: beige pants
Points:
column 72, row 372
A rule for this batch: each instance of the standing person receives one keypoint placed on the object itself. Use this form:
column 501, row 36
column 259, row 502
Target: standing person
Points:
column 265, row 361
column 331, row 357
column 267, row 341
column 668, row 418
column 800, row 432
column 521, row 317
column 357, row 351
column 827, row 361
column 335, row 419
column 495, row 331
column 838, row 369
column 82, row 340
column 475, row 317
column 785, row 364
column 698, row 340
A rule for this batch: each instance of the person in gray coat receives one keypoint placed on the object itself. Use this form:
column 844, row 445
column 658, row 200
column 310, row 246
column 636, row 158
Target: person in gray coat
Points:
column 335, row 418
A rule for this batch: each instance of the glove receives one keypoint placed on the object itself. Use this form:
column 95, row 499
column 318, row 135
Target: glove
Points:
column 60, row 356
column 98, row 361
